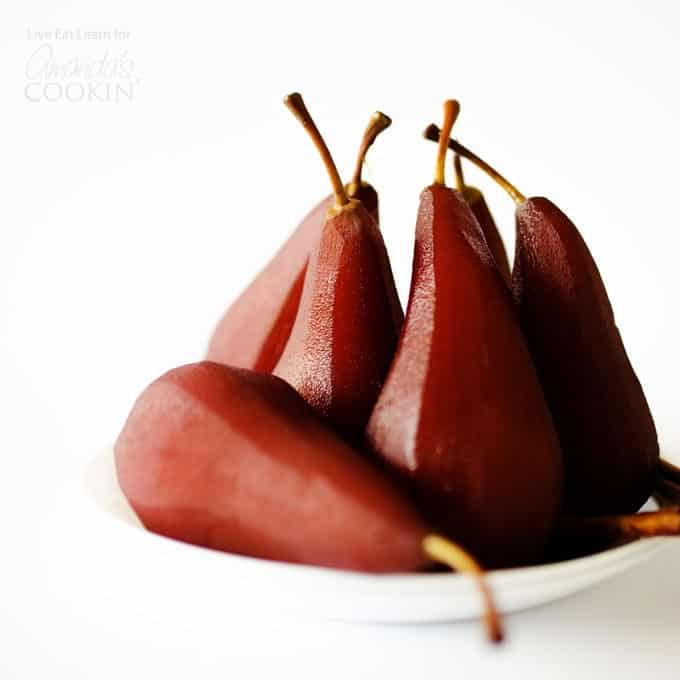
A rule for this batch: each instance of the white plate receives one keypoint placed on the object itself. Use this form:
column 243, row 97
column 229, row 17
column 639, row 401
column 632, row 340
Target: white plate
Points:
column 173, row 579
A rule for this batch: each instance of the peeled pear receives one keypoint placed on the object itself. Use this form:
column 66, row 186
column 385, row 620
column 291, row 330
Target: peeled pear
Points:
column 462, row 417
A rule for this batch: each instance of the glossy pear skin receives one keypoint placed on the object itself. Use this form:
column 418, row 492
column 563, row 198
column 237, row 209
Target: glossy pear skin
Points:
column 603, row 420
column 475, row 199
column 235, row 460
column 347, row 327
column 254, row 330
column 461, row 415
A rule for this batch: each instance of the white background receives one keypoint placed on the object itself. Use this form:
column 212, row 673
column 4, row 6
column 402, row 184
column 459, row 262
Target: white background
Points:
column 126, row 229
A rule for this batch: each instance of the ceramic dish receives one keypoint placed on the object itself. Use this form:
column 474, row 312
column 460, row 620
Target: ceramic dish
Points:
column 146, row 568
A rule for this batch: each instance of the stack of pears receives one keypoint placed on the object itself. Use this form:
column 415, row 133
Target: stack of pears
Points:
column 498, row 418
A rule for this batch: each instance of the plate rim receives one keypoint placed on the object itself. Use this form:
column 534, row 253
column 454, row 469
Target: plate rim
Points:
column 534, row 574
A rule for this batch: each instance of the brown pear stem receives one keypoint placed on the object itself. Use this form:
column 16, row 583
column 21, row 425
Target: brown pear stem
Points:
column 433, row 133
column 378, row 123
column 444, row 551
column 645, row 524
column 296, row 104
column 669, row 471
column 458, row 171
column 451, row 111
column 611, row 529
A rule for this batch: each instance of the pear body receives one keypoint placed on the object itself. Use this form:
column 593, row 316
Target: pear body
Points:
column 347, row 325
column 606, row 429
column 235, row 460
column 255, row 329
column 480, row 209
column 461, row 415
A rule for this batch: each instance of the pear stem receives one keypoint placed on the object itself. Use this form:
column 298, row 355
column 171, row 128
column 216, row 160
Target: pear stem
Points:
column 378, row 123
column 458, row 170
column 669, row 471
column 451, row 111
column 297, row 106
column 577, row 536
column 433, row 133
column 659, row 523
column 640, row 525
column 446, row 552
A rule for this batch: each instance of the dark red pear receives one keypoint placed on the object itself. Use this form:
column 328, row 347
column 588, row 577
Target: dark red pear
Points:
column 254, row 330
column 235, row 460
column 462, row 416
column 475, row 199
column 606, row 429
column 349, row 316
column 602, row 416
